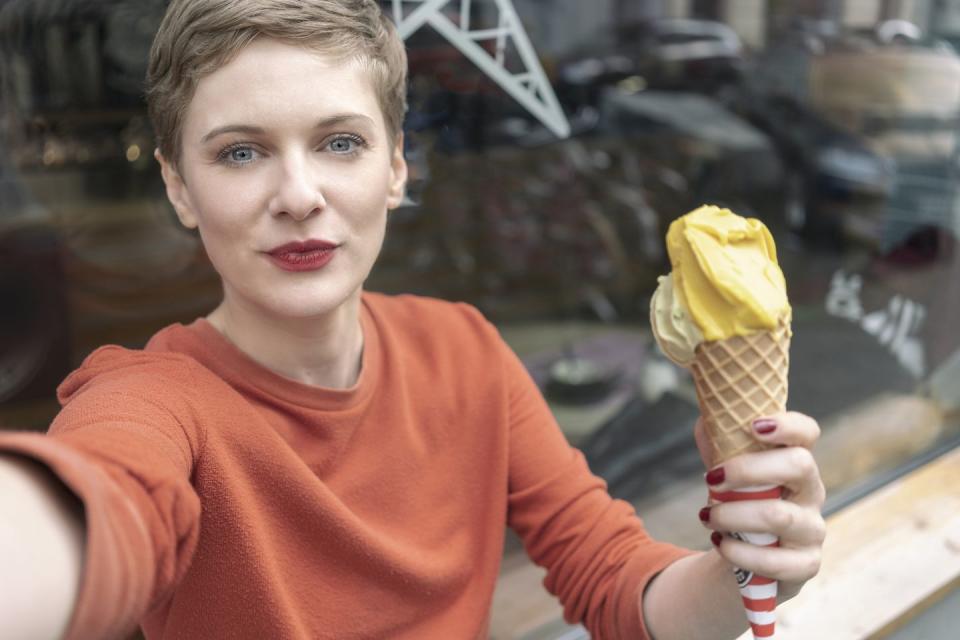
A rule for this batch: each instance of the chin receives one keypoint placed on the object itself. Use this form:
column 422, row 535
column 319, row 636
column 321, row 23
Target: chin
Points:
column 303, row 304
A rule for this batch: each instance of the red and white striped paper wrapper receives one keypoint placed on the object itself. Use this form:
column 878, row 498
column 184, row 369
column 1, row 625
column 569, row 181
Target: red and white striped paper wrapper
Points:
column 759, row 594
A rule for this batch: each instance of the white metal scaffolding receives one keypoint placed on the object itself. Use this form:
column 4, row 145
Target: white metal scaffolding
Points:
column 530, row 87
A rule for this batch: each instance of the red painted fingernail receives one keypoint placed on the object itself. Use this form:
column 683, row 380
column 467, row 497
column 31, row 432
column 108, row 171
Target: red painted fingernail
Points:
column 705, row 514
column 764, row 426
column 715, row 476
column 716, row 538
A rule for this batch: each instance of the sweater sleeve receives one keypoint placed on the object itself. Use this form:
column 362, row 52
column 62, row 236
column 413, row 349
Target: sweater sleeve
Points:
column 598, row 556
column 122, row 445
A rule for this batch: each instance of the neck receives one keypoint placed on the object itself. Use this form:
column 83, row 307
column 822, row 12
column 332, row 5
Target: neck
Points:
column 322, row 351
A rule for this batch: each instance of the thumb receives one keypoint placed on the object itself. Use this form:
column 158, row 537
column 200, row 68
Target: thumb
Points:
column 703, row 445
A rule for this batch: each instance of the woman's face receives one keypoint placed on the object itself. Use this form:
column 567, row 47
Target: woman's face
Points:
column 287, row 171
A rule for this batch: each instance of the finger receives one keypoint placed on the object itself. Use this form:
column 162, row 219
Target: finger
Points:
column 789, row 429
column 796, row 526
column 793, row 468
column 778, row 563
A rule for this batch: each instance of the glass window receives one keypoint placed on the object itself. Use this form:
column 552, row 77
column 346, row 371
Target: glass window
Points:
column 547, row 157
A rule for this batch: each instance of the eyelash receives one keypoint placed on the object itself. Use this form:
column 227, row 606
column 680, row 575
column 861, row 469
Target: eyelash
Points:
column 224, row 154
column 352, row 137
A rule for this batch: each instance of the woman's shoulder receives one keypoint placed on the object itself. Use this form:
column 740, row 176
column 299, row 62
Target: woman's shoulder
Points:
column 431, row 324
column 152, row 370
column 427, row 313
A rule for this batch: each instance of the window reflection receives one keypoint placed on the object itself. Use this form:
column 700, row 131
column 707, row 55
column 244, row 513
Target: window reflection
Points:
column 91, row 253
column 834, row 122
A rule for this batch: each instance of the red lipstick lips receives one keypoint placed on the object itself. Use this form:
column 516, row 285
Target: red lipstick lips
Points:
column 303, row 256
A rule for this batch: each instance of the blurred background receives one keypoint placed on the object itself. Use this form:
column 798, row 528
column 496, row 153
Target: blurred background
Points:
column 551, row 143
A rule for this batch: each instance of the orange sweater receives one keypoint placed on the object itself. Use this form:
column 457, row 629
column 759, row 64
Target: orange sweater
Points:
column 225, row 501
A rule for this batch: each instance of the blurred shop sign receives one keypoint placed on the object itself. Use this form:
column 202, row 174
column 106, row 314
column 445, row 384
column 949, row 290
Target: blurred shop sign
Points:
column 896, row 327
column 523, row 79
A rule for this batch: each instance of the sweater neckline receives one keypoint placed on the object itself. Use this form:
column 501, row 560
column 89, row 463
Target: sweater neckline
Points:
column 241, row 371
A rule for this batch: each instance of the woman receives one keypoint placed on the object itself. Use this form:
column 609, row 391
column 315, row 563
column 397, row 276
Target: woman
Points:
column 310, row 460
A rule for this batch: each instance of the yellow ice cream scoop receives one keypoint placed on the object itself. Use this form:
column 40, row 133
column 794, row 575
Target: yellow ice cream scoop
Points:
column 725, row 271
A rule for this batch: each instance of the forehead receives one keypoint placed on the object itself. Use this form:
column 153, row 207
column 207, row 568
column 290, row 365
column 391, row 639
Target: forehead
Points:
column 275, row 84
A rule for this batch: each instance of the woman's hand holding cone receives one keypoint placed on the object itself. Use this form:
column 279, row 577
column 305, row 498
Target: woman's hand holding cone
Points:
column 795, row 519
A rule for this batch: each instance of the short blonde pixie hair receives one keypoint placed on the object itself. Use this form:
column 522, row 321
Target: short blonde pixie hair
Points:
column 197, row 37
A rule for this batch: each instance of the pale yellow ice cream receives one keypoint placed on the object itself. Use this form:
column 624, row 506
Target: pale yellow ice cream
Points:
column 725, row 282
column 676, row 333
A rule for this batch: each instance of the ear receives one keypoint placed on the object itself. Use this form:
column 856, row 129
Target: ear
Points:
column 398, row 175
column 176, row 191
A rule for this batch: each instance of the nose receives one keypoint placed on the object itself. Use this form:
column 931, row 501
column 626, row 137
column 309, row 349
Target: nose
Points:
column 299, row 193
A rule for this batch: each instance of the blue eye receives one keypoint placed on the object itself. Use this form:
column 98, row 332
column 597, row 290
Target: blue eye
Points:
column 345, row 145
column 241, row 155
column 237, row 155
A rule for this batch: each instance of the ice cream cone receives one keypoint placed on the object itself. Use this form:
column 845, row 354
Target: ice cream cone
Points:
column 737, row 380
column 723, row 312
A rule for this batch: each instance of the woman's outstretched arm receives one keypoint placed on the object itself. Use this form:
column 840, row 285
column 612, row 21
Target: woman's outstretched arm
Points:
column 42, row 539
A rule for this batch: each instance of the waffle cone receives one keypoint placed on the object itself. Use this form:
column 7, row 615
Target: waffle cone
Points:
column 738, row 380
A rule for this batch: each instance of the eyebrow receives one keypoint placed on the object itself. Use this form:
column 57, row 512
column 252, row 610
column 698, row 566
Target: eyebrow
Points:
column 330, row 121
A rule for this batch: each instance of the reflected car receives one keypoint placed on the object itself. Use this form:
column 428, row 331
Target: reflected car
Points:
column 673, row 54
column 869, row 132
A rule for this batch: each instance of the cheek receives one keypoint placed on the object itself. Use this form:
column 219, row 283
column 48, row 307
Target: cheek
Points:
column 364, row 195
column 225, row 230
column 225, row 206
